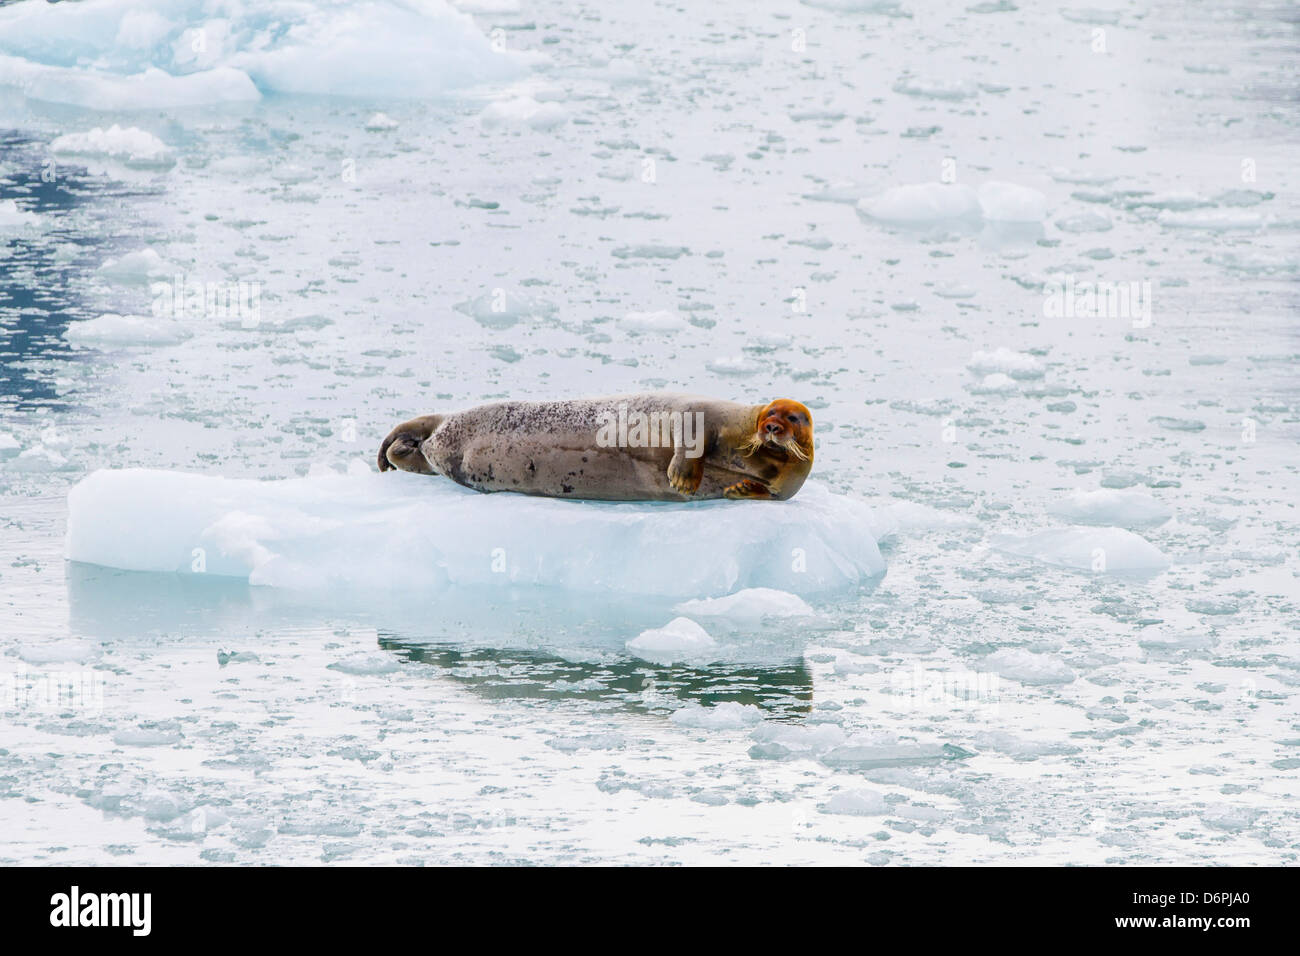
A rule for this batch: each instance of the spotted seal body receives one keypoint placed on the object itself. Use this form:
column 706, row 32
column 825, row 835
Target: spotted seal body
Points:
column 639, row 447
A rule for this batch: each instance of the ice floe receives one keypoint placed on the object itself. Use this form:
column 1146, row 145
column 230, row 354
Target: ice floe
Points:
column 135, row 147
column 748, row 606
column 125, row 330
column 149, row 54
column 680, row 639
column 1099, row 550
column 309, row 533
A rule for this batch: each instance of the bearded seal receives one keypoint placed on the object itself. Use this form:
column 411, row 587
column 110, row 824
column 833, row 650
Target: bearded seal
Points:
column 639, row 447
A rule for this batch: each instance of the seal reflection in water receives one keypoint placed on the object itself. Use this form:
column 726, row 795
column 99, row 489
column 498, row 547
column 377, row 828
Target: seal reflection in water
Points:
column 640, row 447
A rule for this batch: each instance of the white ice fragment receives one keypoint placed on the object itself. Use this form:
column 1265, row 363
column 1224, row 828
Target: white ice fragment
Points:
column 111, row 330
column 1017, row 365
column 138, row 266
column 679, row 639
column 727, row 715
column 1007, row 202
column 380, row 123
column 749, row 605
column 12, row 218
column 523, row 111
column 998, row 383
column 923, row 203
column 1017, row 664
column 659, row 321
column 858, row 803
column 787, row 741
column 57, row 652
column 366, row 664
column 733, row 365
column 1099, row 550
column 135, row 147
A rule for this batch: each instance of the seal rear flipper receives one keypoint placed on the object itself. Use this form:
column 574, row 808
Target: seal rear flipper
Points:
column 685, row 474
column 401, row 449
column 748, row 488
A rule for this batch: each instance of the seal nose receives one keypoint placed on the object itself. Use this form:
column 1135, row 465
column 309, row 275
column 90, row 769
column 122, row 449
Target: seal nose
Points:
column 772, row 428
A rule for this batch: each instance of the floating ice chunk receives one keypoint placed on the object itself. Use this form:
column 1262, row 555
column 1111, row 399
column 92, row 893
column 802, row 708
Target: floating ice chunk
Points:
column 787, row 741
column 501, row 310
column 1092, row 15
column 13, row 218
column 889, row 8
column 9, row 445
column 922, row 203
column 1086, row 549
column 366, row 664
column 487, row 6
column 733, row 365
column 1107, row 506
column 137, row 266
column 858, row 803
column 1017, row 664
column 144, row 53
column 679, row 639
column 936, row 88
column 147, row 737
column 1085, row 222
column 1074, row 177
column 1213, row 220
column 659, row 321
column 869, row 751
column 1007, row 202
column 767, row 342
column 307, row 533
column 1021, row 748
column 151, row 88
column 133, row 146
column 39, row 459
column 380, row 123
column 1230, row 819
column 727, row 715
column 1018, row 365
column 998, row 383
column 58, row 652
column 749, row 605
column 523, row 111
column 111, row 330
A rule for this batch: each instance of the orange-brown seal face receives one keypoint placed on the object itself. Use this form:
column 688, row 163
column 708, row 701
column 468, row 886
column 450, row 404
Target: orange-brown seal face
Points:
column 785, row 424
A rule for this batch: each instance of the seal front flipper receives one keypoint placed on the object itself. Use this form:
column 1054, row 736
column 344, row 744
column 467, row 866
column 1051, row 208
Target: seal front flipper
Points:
column 685, row 474
column 401, row 449
column 748, row 488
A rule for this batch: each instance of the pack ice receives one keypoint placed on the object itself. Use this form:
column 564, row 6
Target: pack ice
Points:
column 364, row 531
column 158, row 54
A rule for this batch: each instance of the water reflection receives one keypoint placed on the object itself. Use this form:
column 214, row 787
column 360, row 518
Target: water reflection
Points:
column 508, row 645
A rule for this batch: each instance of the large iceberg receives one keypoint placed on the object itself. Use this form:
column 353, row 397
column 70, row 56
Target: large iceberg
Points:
column 367, row 532
column 155, row 54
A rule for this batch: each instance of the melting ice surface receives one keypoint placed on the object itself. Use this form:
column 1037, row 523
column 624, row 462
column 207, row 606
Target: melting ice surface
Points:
column 145, row 54
column 447, row 204
column 379, row 533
